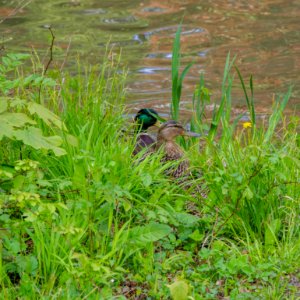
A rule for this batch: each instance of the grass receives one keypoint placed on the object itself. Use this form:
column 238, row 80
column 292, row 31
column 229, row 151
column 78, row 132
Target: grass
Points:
column 92, row 223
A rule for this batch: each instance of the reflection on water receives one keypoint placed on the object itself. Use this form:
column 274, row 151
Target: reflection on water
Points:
column 265, row 36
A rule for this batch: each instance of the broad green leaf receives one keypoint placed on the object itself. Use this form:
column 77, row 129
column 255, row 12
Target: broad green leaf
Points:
column 15, row 119
column 8, row 122
column 79, row 174
column 271, row 232
column 72, row 140
column 3, row 105
column 12, row 245
column 28, row 264
column 196, row 236
column 46, row 115
column 149, row 233
column 179, row 290
column 33, row 137
column 6, row 130
column 19, row 182
column 126, row 204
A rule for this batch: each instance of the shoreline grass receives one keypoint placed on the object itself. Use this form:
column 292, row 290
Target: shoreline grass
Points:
column 81, row 220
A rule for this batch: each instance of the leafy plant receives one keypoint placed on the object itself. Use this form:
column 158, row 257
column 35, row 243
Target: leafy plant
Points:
column 18, row 116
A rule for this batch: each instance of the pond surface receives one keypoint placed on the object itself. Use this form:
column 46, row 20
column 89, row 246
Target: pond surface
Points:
column 265, row 36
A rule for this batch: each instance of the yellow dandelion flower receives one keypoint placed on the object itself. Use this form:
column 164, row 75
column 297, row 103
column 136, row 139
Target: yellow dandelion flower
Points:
column 247, row 124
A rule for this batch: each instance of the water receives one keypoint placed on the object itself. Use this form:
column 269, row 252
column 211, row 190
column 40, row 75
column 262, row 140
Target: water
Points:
column 265, row 36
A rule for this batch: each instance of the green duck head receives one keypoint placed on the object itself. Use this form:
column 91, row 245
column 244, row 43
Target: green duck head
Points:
column 146, row 118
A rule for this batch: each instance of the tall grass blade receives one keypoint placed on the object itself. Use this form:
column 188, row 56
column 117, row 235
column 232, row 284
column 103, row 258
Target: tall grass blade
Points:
column 175, row 74
column 249, row 101
column 176, row 78
column 277, row 113
column 226, row 88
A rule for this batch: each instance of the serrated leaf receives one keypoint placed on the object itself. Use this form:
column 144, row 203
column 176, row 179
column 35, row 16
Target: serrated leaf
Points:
column 149, row 233
column 46, row 115
column 34, row 137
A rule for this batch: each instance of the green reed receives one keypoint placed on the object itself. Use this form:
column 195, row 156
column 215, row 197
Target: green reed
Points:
column 177, row 78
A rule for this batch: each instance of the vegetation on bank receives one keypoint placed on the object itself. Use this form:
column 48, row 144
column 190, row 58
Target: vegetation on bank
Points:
column 81, row 218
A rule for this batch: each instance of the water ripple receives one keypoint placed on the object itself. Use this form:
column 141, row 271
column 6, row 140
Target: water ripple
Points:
column 152, row 70
column 96, row 11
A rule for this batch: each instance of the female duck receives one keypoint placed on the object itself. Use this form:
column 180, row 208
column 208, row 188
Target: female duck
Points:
column 171, row 151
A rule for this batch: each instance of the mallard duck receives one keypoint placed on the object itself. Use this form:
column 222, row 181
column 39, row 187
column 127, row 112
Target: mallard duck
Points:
column 144, row 119
column 171, row 150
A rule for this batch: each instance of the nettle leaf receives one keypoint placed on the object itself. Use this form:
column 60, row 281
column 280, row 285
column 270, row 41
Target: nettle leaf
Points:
column 149, row 233
column 34, row 137
column 46, row 115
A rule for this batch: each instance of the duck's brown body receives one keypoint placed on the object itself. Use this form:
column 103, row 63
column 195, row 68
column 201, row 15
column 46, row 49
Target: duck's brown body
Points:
column 173, row 152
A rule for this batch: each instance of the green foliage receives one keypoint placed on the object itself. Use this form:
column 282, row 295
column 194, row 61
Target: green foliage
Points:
column 179, row 290
column 97, row 223
column 18, row 117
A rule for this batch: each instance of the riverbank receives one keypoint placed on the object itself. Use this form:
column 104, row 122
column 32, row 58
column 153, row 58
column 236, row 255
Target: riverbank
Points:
column 82, row 219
